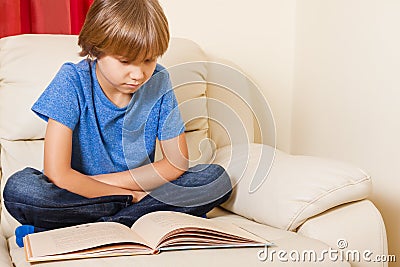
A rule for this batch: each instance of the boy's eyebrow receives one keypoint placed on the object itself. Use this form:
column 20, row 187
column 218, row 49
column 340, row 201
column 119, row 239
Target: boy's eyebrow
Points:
column 119, row 57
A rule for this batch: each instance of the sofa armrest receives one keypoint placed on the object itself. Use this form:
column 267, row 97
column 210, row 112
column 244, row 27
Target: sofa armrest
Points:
column 356, row 227
column 282, row 190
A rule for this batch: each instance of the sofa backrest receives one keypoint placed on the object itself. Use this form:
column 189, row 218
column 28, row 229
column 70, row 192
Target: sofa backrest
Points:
column 29, row 62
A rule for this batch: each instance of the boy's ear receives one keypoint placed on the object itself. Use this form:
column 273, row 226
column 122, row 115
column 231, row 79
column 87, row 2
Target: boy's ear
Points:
column 96, row 55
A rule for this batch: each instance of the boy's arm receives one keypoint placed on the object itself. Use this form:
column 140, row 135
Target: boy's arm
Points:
column 145, row 178
column 57, row 166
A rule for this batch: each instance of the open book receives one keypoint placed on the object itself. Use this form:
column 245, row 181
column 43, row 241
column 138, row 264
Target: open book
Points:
column 152, row 233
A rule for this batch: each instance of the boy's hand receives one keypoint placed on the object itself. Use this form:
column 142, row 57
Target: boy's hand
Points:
column 138, row 195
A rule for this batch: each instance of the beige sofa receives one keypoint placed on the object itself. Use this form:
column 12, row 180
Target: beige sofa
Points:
column 312, row 209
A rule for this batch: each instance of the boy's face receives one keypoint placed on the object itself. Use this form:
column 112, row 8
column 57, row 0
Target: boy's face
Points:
column 118, row 76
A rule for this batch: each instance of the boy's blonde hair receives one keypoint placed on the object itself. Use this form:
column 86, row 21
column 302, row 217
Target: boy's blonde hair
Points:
column 133, row 29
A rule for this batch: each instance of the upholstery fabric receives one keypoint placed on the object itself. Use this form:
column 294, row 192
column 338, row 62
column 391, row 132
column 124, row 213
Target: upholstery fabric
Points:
column 295, row 188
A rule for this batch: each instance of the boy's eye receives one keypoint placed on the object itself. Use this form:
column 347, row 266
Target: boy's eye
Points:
column 149, row 60
column 124, row 61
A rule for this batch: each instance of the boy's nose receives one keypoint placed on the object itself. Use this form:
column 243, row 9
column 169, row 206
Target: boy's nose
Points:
column 136, row 73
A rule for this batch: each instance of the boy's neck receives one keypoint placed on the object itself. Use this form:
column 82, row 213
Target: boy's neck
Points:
column 119, row 99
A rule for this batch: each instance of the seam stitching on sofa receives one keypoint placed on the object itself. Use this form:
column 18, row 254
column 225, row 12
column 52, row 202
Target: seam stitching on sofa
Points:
column 325, row 194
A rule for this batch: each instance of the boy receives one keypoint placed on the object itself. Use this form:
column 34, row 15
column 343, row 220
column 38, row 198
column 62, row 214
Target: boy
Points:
column 103, row 117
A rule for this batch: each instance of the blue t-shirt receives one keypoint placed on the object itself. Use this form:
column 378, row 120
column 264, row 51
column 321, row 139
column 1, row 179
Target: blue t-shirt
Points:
column 107, row 138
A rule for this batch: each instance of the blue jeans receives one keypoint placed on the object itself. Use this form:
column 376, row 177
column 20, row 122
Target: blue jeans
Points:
column 32, row 199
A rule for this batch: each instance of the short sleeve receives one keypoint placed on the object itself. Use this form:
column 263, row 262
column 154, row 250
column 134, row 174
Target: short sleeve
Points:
column 59, row 101
column 170, row 124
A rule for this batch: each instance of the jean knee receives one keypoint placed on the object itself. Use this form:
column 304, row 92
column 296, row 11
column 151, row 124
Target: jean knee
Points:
column 227, row 184
column 217, row 176
column 218, row 172
column 209, row 172
column 19, row 184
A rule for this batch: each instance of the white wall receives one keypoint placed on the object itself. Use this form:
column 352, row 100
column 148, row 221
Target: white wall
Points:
column 337, row 60
column 347, row 92
column 257, row 35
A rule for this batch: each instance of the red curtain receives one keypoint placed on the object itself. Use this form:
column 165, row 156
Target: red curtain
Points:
column 42, row 16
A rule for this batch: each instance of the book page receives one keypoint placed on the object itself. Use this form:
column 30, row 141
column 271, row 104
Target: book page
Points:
column 81, row 237
column 156, row 225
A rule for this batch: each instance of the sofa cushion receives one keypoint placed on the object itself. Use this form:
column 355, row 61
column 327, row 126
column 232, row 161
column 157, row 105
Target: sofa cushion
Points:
column 27, row 65
column 295, row 188
column 16, row 155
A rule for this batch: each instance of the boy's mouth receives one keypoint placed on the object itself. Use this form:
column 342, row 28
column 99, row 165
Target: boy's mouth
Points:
column 133, row 85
